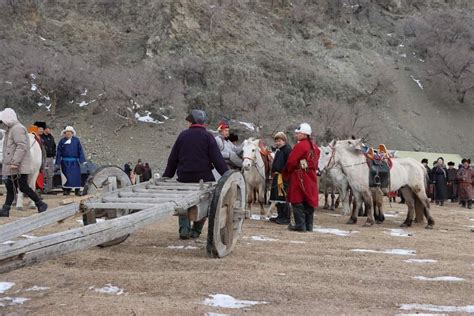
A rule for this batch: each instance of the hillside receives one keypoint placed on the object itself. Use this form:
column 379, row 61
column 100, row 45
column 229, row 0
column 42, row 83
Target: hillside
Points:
column 395, row 71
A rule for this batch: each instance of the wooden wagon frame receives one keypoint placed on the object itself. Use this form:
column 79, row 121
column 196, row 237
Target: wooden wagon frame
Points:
column 127, row 208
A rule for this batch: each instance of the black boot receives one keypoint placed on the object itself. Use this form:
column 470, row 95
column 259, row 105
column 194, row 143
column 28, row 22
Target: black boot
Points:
column 309, row 218
column 42, row 207
column 469, row 204
column 184, row 227
column 463, row 203
column 441, row 203
column 77, row 192
column 283, row 213
column 279, row 214
column 299, row 215
column 197, row 228
column 67, row 192
column 5, row 211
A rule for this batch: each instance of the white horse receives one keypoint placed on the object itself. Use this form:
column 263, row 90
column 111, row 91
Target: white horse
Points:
column 36, row 162
column 253, row 169
column 406, row 174
column 334, row 175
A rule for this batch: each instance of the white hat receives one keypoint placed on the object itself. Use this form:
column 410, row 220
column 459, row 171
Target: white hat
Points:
column 304, row 128
column 69, row 129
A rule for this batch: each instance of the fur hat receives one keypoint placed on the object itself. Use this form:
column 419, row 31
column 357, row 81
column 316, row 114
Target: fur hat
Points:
column 450, row 163
column 233, row 137
column 424, row 160
column 280, row 135
column 69, row 129
column 465, row 160
column 40, row 124
column 304, row 128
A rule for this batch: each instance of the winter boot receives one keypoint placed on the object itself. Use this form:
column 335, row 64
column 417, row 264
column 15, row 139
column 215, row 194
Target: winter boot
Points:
column 469, row 204
column 283, row 214
column 77, row 192
column 184, row 227
column 309, row 218
column 463, row 203
column 67, row 192
column 279, row 212
column 197, row 228
column 5, row 211
column 42, row 207
column 299, row 215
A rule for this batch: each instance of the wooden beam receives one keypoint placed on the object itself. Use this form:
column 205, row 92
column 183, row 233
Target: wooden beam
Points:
column 22, row 226
column 76, row 199
column 151, row 194
column 125, row 206
column 141, row 200
column 25, row 252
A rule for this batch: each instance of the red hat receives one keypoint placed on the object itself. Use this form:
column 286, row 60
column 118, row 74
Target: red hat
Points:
column 222, row 125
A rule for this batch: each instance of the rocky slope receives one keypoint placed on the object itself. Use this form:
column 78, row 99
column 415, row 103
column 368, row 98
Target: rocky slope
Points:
column 394, row 71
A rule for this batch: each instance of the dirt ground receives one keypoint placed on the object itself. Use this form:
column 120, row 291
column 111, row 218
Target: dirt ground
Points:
column 294, row 273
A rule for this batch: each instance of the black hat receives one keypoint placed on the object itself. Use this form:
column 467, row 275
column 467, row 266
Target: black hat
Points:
column 465, row 160
column 424, row 160
column 450, row 163
column 233, row 137
column 40, row 124
column 197, row 117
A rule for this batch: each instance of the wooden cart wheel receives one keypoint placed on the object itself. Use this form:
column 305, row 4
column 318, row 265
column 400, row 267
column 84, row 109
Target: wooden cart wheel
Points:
column 226, row 214
column 106, row 179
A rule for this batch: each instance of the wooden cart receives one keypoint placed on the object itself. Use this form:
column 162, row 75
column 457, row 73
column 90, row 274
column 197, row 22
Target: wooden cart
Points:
column 126, row 208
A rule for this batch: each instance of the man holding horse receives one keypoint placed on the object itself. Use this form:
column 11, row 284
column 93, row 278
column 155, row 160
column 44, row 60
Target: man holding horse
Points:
column 16, row 162
column 301, row 170
column 192, row 158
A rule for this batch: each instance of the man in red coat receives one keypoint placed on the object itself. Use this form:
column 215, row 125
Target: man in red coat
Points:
column 300, row 171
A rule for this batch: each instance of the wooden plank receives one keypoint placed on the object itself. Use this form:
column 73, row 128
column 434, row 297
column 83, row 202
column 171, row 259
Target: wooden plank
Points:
column 76, row 199
column 151, row 194
column 25, row 252
column 141, row 200
column 22, row 226
column 130, row 206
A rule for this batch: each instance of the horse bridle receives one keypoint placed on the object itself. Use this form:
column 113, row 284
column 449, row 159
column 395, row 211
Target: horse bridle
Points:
column 254, row 164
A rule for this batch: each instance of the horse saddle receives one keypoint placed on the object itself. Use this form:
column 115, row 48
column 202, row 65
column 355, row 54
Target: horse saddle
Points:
column 380, row 163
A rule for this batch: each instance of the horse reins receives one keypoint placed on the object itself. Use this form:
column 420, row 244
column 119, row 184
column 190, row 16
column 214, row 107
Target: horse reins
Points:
column 254, row 164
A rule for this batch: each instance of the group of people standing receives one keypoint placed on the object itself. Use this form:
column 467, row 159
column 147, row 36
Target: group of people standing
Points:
column 451, row 183
column 196, row 153
column 66, row 156
column 140, row 173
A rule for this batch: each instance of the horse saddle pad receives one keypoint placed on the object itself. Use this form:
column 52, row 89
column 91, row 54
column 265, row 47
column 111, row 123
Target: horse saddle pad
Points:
column 379, row 173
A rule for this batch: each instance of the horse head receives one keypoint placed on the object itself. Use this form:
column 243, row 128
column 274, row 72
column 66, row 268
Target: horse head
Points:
column 250, row 149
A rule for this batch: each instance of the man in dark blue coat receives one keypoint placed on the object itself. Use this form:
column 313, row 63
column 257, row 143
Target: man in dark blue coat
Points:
column 192, row 158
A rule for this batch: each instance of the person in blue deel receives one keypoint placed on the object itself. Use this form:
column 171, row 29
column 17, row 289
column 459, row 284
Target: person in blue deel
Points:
column 69, row 156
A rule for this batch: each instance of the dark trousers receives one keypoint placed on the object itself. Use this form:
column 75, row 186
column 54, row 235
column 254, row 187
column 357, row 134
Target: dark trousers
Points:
column 304, row 217
column 13, row 183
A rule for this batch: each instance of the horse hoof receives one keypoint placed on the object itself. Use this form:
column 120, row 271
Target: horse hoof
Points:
column 378, row 222
column 351, row 221
column 429, row 226
column 19, row 209
column 32, row 207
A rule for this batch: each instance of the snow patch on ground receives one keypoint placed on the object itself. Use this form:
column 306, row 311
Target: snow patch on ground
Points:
column 441, row 278
column 256, row 217
column 8, row 242
column 28, row 236
column 108, row 289
column 438, row 308
column 5, row 286
column 334, row 231
column 418, row 82
column 84, row 103
column 397, row 232
column 227, row 301
column 400, row 252
column 10, row 301
column 37, row 288
column 262, row 238
column 421, row 261
column 389, row 214
column 215, row 314
column 297, row 242
column 182, row 247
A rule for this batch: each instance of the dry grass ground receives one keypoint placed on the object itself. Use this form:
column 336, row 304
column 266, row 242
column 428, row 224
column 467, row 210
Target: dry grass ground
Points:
column 296, row 273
